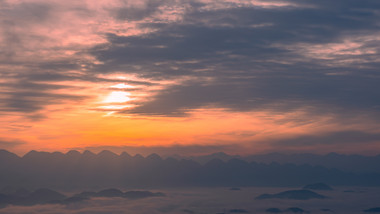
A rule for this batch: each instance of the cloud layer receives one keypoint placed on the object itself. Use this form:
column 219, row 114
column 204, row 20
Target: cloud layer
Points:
column 173, row 58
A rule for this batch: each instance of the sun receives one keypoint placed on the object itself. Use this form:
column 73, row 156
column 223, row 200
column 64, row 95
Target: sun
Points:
column 117, row 97
column 121, row 86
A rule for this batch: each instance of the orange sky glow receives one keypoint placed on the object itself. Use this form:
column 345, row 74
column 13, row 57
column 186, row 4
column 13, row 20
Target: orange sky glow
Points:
column 118, row 74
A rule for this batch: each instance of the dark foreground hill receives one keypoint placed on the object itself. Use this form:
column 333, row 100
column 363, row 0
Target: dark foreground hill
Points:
column 75, row 170
column 292, row 194
column 318, row 186
column 48, row 196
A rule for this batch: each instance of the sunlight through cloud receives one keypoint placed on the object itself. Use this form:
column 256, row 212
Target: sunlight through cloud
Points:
column 121, row 86
column 117, row 97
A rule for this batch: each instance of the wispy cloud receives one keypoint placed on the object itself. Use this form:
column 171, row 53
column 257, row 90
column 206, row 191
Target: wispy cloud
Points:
column 10, row 144
column 177, row 57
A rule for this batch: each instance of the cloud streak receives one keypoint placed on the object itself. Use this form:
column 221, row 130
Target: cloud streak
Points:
column 170, row 59
column 9, row 144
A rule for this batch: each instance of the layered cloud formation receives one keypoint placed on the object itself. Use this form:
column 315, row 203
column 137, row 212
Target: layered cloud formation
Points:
column 277, row 70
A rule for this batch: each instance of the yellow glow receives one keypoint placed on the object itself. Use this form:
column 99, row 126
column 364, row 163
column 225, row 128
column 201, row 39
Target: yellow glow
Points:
column 117, row 97
column 251, row 132
column 121, row 86
column 115, row 107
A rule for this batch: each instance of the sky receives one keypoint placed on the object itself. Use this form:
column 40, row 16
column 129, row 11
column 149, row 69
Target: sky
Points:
column 190, row 76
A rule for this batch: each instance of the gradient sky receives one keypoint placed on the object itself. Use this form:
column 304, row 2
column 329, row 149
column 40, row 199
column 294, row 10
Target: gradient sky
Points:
column 190, row 76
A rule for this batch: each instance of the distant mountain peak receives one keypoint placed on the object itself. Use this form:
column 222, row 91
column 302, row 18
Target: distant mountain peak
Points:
column 106, row 154
column 3, row 151
column 223, row 155
column 138, row 157
column 154, row 156
column 318, row 186
column 125, row 155
column 112, row 192
column 6, row 154
column 45, row 195
column 57, row 154
column 372, row 210
column 293, row 194
column 14, row 190
column 73, row 153
column 215, row 162
column 35, row 154
column 88, row 153
column 30, row 153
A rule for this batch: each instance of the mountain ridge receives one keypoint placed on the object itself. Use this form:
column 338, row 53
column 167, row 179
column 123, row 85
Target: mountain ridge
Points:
column 87, row 169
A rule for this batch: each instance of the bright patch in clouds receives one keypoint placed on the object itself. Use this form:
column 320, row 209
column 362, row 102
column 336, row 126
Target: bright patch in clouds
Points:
column 117, row 97
column 274, row 70
column 121, row 86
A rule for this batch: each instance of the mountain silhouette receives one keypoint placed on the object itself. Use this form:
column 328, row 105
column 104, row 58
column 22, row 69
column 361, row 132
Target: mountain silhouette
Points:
column 273, row 210
column 86, row 194
column 110, row 193
column 73, row 199
column 42, row 196
column 288, row 210
column 372, row 210
column 8, row 156
column 39, row 196
column 48, row 196
column 218, row 155
column 294, row 210
column 142, row 194
column 238, row 211
column 15, row 191
column 318, row 186
column 293, row 194
column 75, row 170
column 5, row 200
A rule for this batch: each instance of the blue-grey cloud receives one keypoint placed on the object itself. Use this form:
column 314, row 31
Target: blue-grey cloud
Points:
column 9, row 144
column 236, row 57
column 138, row 13
column 249, row 56
column 30, row 97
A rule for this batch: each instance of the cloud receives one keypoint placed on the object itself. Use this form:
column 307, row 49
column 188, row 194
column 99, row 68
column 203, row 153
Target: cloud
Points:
column 139, row 11
column 30, row 97
column 236, row 55
column 252, row 58
column 9, row 144
column 180, row 56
